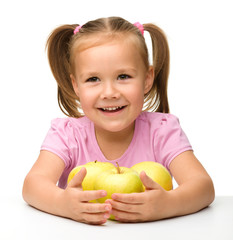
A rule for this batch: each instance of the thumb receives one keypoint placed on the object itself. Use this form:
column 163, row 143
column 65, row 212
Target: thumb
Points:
column 148, row 182
column 77, row 180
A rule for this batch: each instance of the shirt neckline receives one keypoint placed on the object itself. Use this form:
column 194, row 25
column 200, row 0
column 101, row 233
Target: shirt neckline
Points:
column 124, row 155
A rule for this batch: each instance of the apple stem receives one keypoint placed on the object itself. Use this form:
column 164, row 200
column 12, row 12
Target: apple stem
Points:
column 96, row 161
column 118, row 168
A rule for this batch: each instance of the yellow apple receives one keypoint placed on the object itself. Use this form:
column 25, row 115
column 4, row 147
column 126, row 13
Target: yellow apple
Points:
column 156, row 172
column 118, row 180
column 94, row 169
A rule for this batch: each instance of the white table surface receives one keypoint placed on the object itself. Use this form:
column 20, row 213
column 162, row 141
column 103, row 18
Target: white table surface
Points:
column 20, row 221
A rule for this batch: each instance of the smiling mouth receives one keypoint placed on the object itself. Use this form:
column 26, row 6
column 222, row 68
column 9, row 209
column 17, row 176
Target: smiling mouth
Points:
column 112, row 109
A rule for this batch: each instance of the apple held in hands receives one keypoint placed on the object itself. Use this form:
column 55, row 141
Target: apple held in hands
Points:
column 118, row 180
column 94, row 169
column 157, row 172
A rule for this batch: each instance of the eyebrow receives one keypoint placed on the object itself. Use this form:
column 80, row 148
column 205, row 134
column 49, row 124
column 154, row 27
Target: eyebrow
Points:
column 118, row 71
column 88, row 74
column 126, row 69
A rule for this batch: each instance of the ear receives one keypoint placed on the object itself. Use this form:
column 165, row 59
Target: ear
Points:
column 75, row 84
column 149, row 79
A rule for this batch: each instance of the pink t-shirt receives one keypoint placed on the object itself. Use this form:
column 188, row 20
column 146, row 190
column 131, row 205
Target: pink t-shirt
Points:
column 157, row 137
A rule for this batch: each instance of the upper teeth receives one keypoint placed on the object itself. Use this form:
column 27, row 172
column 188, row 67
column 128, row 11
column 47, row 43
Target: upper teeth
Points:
column 111, row 108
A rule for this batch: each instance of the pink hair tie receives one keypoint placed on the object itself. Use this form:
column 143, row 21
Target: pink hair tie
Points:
column 76, row 30
column 140, row 27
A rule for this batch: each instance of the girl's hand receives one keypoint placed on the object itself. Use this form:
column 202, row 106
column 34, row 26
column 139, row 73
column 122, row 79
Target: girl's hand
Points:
column 76, row 202
column 141, row 207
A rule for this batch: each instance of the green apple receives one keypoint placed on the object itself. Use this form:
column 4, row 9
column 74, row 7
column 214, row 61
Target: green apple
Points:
column 156, row 172
column 118, row 180
column 94, row 169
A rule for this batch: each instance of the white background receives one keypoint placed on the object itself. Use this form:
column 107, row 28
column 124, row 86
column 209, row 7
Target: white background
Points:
column 200, row 34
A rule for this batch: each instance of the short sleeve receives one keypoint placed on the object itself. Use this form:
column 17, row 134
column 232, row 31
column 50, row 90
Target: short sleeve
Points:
column 58, row 139
column 170, row 140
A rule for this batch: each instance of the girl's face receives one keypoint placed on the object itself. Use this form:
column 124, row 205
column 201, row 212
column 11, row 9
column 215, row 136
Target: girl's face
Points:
column 110, row 81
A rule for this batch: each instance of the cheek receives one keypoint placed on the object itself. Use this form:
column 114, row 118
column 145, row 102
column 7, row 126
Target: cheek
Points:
column 87, row 98
column 138, row 91
column 136, row 94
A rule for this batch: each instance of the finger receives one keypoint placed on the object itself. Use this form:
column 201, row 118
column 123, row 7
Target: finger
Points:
column 125, row 207
column 99, row 218
column 96, row 208
column 148, row 182
column 78, row 178
column 87, row 196
column 126, row 216
column 132, row 198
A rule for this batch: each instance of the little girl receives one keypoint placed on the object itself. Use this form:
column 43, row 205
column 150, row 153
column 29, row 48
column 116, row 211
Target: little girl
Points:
column 118, row 111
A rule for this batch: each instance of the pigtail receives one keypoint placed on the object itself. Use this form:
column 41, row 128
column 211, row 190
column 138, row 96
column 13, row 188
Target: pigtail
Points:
column 161, row 61
column 59, row 57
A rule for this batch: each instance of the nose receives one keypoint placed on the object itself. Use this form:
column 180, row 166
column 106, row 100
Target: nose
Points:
column 109, row 91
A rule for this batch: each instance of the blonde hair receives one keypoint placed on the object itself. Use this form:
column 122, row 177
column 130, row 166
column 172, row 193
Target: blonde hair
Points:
column 63, row 43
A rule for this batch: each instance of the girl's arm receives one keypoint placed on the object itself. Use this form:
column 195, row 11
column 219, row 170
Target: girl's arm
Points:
column 195, row 191
column 40, row 191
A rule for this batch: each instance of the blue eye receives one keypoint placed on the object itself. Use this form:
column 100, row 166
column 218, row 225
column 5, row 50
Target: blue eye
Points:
column 92, row 79
column 123, row 77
